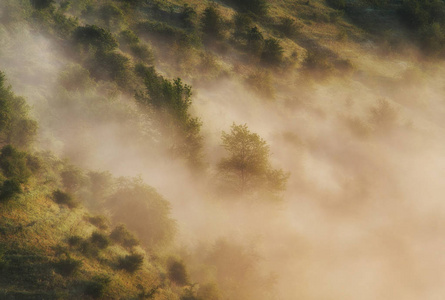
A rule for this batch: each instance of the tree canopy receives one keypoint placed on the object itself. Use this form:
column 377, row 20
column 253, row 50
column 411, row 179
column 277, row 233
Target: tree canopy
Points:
column 247, row 168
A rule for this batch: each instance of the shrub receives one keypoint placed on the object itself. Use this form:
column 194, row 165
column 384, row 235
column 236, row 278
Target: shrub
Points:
column 88, row 249
column 122, row 236
column 110, row 66
column 64, row 199
column 97, row 286
column 272, row 52
column 9, row 189
column 14, row 165
column 211, row 23
column 256, row 7
column 288, row 27
column 41, row 4
column 94, row 37
column 188, row 17
column 131, row 263
column 177, row 272
column 100, row 240
column 100, row 222
column 142, row 53
column 128, row 37
column 337, row 4
column 67, row 266
column 74, row 240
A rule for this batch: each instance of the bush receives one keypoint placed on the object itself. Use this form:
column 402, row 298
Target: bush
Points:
column 14, row 164
column 211, row 23
column 88, row 249
column 131, row 263
column 143, row 53
column 74, row 240
column 100, row 240
column 177, row 272
column 92, row 36
column 97, row 286
column 256, row 7
column 67, row 266
column 100, row 222
column 110, row 66
column 272, row 52
column 288, row 27
column 9, row 189
column 41, row 4
column 122, row 236
column 337, row 4
column 64, row 199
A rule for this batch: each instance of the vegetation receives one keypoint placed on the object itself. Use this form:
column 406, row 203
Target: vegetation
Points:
column 247, row 168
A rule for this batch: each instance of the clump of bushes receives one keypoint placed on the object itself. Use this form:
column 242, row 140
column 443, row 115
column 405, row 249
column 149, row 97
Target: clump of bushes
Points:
column 272, row 52
column 9, row 189
column 96, row 287
column 99, row 221
column 67, row 266
column 122, row 236
column 131, row 263
column 100, row 240
column 177, row 272
column 63, row 198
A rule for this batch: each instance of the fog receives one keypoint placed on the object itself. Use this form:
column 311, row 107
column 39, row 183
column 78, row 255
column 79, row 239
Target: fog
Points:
column 363, row 213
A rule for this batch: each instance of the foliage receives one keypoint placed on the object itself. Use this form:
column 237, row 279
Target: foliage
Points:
column 144, row 211
column 255, row 40
column 14, row 164
column 188, row 17
column 99, row 221
column 74, row 241
column 337, row 4
column 41, row 4
column 142, row 53
column 16, row 127
column 255, row 7
column 272, row 52
column 288, row 27
column 171, row 101
column 110, row 66
column 72, row 178
column 10, row 188
column 100, row 240
column 111, row 15
column 131, row 263
column 243, row 23
column 211, row 23
column 177, row 272
column 96, row 287
column 67, row 266
column 64, row 199
column 166, row 32
column 247, row 168
column 122, row 236
column 92, row 36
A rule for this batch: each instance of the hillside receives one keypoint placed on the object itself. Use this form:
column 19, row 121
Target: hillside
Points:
column 233, row 149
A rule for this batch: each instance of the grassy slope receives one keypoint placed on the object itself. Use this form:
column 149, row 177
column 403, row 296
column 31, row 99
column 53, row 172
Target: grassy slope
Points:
column 34, row 234
column 34, row 230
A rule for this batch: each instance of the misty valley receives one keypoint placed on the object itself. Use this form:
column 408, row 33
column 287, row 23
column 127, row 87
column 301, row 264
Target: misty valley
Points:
column 222, row 150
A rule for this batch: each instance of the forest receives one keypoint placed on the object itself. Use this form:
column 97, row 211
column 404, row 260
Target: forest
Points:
column 222, row 150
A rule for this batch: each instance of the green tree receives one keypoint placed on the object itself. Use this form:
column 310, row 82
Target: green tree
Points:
column 212, row 25
column 272, row 52
column 247, row 168
column 94, row 37
column 16, row 128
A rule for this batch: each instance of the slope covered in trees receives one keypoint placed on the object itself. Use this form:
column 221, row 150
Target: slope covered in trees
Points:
column 236, row 149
